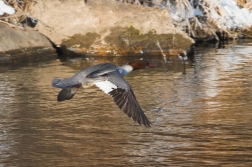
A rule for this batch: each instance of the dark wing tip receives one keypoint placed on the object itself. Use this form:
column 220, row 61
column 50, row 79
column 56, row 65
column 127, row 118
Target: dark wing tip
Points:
column 66, row 94
column 126, row 101
column 147, row 123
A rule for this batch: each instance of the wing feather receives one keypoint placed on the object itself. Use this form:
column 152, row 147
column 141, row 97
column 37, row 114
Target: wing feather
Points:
column 130, row 106
column 66, row 94
column 115, row 86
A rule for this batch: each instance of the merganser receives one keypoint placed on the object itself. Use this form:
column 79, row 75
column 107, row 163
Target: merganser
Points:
column 109, row 78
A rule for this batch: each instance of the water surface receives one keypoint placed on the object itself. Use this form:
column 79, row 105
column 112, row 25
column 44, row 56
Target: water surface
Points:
column 203, row 118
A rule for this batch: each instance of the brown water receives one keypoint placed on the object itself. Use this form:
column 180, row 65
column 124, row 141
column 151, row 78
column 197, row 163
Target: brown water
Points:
column 203, row 118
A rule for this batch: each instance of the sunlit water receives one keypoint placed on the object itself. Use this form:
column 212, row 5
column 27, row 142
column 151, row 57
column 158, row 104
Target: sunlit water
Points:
column 203, row 118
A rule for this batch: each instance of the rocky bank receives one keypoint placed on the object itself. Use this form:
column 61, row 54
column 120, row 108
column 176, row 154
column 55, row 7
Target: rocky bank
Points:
column 98, row 27
column 18, row 45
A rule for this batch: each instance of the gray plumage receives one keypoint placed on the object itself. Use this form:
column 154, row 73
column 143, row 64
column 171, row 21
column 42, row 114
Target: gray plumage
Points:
column 108, row 78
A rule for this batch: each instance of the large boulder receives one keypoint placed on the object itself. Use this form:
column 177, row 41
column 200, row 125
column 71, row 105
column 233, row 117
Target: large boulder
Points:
column 102, row 26
column 15, row 38
column 22, row 45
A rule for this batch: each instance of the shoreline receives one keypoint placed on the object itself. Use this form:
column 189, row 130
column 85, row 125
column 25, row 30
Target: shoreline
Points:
column 94, row 28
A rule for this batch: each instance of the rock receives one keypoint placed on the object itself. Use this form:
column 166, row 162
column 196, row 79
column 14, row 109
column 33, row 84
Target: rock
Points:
column 19, row 45
column 103, row 27
column 14, row 38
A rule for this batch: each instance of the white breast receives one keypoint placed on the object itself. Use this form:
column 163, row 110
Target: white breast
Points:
column 125, row 69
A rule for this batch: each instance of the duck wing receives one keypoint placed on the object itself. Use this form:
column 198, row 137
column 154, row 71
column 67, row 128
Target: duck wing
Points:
column 113, row 84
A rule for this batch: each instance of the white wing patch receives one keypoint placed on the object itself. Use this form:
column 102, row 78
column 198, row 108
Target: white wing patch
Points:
column 105, row 86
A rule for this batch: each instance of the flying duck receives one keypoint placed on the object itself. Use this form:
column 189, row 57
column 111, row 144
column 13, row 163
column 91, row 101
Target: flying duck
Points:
column 109, row 78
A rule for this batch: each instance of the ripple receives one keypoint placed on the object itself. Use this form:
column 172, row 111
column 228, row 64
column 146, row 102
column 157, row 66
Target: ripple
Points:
column 202, row 118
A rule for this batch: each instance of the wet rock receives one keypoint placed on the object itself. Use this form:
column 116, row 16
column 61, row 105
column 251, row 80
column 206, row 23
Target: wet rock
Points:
column 26, row 55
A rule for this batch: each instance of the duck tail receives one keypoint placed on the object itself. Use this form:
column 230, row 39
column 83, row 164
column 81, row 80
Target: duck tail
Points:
column 55, row 81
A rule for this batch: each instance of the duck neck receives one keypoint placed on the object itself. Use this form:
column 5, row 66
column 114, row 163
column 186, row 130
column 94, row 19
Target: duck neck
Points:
column 125, row 69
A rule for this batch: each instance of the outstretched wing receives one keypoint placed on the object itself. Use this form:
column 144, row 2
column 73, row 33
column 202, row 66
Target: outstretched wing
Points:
column 114, row 85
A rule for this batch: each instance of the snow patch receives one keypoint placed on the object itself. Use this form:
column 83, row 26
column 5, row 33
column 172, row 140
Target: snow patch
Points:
column 5, row 8
column 225, row 13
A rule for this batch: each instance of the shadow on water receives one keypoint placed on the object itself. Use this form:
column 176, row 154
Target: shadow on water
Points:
column 202, row 118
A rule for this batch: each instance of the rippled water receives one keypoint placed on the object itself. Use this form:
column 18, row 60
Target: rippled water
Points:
column 203, row 118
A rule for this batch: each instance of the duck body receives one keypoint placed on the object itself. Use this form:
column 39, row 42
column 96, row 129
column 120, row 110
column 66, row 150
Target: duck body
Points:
column 109, row 78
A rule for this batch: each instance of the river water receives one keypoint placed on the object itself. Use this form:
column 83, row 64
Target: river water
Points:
column 203, row 118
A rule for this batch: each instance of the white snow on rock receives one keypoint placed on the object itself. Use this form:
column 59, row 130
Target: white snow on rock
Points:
column 225, row 13
column 5, row 8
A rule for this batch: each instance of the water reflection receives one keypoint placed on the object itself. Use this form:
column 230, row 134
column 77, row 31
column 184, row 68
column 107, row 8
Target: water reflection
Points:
column 199, row 119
